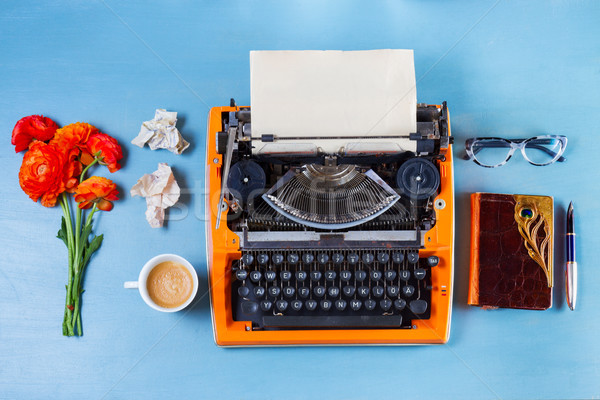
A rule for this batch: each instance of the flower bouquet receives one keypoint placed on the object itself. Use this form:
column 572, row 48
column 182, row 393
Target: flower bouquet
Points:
column 54, row 167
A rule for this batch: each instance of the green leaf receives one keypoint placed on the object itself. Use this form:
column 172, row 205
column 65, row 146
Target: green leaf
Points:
column 91, row 248
column 62, row 232
column 85, row 233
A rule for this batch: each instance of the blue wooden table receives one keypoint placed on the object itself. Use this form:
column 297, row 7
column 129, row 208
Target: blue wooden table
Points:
column 506, row 68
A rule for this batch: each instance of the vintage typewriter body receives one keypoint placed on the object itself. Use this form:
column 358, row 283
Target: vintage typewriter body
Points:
column 310, row 248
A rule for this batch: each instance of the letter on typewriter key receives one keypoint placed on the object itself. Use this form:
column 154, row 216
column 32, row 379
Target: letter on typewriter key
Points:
column 301, row 276
column 296, row 305
column 270, row 276
column 330, row 275
column 355, row 304
column 345, row 275
column 311, row 305
column 255, row 276
column 259, row 291
column 281, row 305
column 285, row 275
column 304, row 292
column 325, row 305
column 340, row 304
column 266, row 305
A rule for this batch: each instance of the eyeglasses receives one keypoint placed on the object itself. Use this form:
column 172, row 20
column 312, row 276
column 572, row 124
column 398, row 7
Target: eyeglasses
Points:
column 491, row 152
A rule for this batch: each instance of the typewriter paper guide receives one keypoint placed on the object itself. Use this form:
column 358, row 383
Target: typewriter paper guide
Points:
column 351, row 97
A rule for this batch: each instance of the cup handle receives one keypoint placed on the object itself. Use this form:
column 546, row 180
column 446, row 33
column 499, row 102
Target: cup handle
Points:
column 131, row 285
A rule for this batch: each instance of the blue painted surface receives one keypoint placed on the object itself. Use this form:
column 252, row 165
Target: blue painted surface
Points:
column 506, row 68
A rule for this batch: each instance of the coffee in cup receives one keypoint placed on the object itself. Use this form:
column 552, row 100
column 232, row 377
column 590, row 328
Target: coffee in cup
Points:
column 167, row 283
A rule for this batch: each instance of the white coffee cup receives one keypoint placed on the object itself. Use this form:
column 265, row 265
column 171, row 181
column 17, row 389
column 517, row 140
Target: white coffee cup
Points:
column 143, row 278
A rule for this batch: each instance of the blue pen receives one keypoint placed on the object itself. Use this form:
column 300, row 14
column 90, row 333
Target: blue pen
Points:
column 571, row 269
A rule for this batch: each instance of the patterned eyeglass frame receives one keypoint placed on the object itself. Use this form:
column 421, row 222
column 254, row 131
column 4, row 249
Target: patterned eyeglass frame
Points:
column 515, row 144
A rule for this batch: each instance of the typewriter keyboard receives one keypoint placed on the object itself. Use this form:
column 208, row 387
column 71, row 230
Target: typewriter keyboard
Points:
column 331, row 289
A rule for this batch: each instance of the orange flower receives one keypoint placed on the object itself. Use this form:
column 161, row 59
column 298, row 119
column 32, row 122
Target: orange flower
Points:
column 73, row 136
column 31, row 128
column 105, row 148
column 42, row 173
column 97, row 190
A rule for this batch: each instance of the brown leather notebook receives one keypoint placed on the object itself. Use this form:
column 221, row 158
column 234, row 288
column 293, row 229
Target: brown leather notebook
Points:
column 512, row 246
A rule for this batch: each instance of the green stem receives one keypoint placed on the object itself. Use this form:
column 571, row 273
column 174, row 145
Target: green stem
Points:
column 67, row 326
column 86, row 168
column 80, row 269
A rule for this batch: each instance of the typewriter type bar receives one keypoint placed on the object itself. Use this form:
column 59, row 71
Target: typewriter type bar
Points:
column 301, row 267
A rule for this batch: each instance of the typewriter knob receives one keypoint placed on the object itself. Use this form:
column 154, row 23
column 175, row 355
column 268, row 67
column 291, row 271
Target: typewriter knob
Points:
column 418, row 178
column 433, row 261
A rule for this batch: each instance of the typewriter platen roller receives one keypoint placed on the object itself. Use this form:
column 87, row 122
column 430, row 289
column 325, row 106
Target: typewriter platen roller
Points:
column 308, row 247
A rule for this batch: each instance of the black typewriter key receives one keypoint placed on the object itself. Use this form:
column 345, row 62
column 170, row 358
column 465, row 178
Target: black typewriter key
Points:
column 293, row 258
column 385, row 304
column 285, row 275
column 322, row 258
column 274, row 291
column 289, row 291
column 363, row 291
column 408, row 290
column 370, row 304
column 307, row 258
column 399, row 304
column 304, row 292
column 315, row 275
column 265, row 305
column 368, row 258
column 383, row 257
column 241, row 274
column 249, row 307
column 390, row 274
column 393, row 291
column 352, row 258
column 340, row 304
column 333, row 291
column 330, row 275
column 277, row 258
column 319, row 291
column 397, row 257
column 259, row 291
column 376, row 275
column 311, row 305
column 360, row 275
column 419, row 273
column 404, row 275
column 345, row 275
column 301, row 276
column 325, row 305
column 281, row 305
column 255, row 276
column 418, row 306
column 243, row 291
column 433, row 261
column 270, row 276
column 378, row 291
column 349, row 290
column 247, row 259
column 412, row 257
column 262, row 258
column 296, row 305
column 355, row 304
column 337, row 258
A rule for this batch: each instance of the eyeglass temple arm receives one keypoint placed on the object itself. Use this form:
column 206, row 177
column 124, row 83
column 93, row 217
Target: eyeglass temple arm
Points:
column 535, row 146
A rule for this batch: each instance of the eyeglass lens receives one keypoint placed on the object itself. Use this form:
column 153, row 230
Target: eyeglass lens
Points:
column 543, row 150
column 490, row 152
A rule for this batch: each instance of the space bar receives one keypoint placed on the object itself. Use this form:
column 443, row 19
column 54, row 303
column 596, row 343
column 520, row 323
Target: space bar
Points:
column 334, row 321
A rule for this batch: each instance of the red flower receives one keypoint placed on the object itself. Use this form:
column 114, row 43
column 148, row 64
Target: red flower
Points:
column 42, row 173
column 31, row 128
column 105, row 148
column 73, row 136
column 97, row 190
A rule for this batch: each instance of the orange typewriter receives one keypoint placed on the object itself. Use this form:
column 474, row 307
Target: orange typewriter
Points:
column 312, row 246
